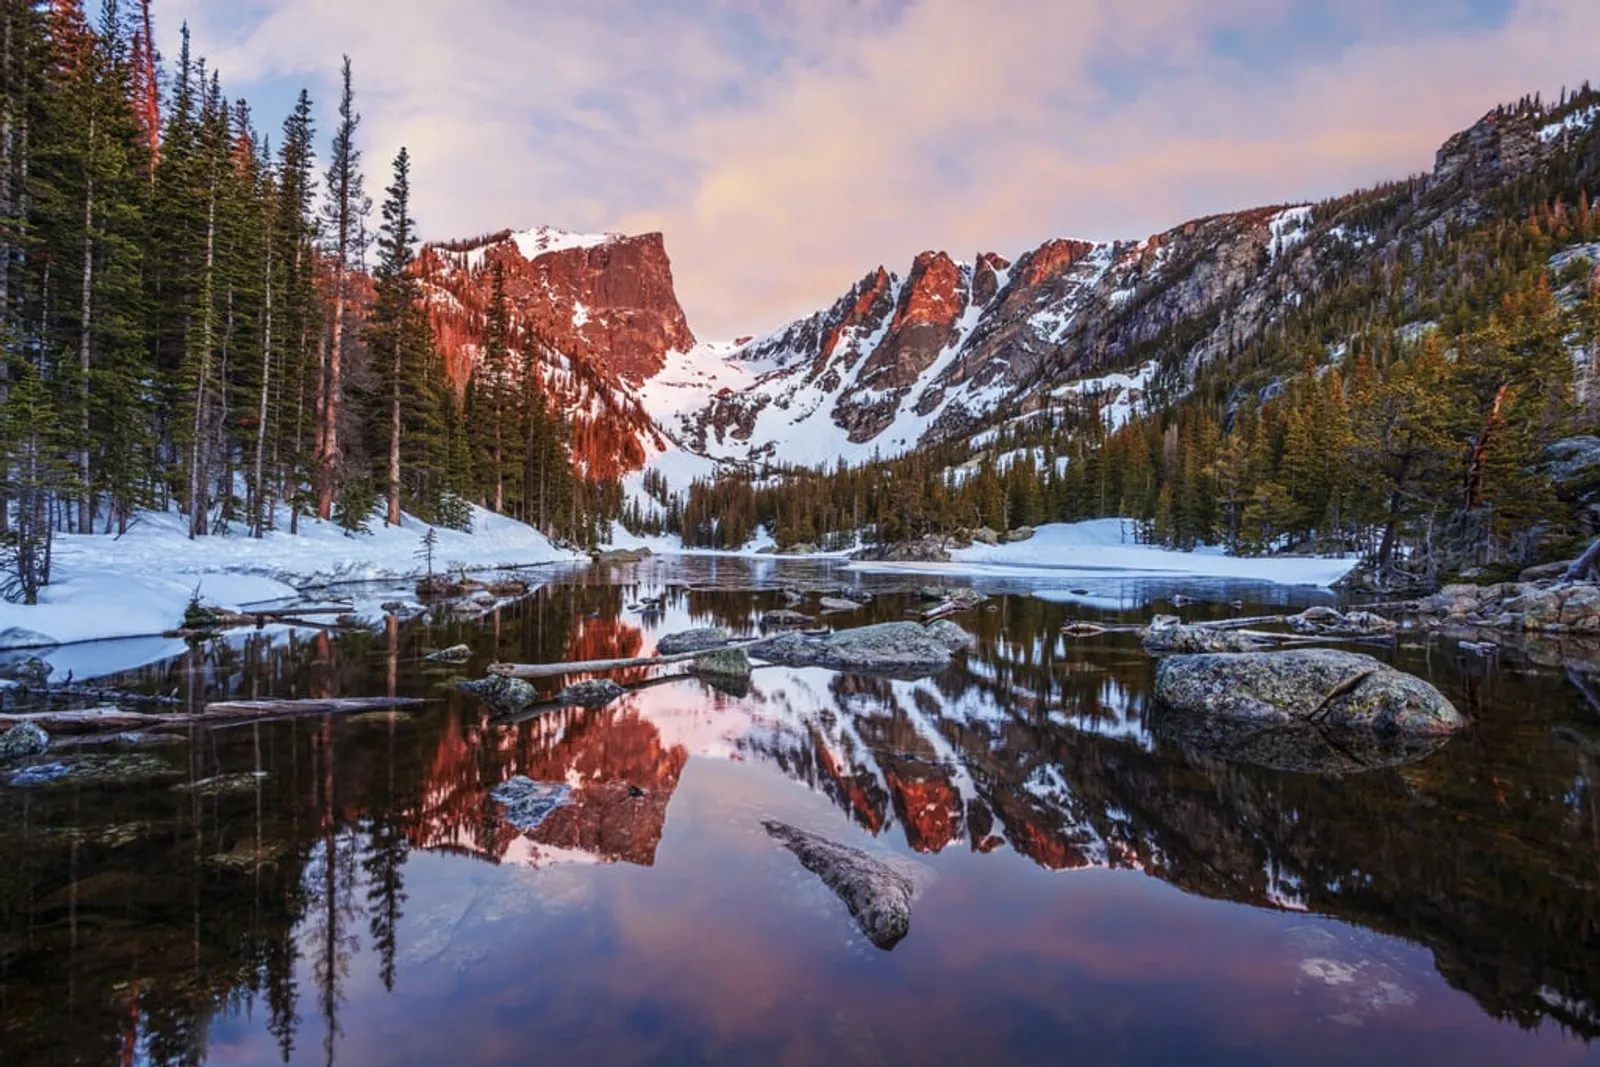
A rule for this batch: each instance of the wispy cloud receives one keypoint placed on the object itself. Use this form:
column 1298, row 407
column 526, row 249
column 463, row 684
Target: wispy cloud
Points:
column 787, row 146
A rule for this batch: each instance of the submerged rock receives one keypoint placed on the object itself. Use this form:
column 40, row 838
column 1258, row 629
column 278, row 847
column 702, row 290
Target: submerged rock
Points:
column 879, row 896
column 837, row 603
column 528, row 803
column 724, row 663
column 453, row 654
column 23, row 740
column 504, row 694
column 783, row 617
column 693, row 641
column 593, row 693
column 1329, row 687
column 889, row 646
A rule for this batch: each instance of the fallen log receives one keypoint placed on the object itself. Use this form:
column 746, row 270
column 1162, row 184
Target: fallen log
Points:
column 528, row 671
column 88, row 720
column 93, row 692
column 331, row 705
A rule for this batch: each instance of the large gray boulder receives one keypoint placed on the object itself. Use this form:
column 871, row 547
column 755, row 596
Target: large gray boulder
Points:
column 693, row 641
column 878, row 895
column 889, row 647
column 1321, row 686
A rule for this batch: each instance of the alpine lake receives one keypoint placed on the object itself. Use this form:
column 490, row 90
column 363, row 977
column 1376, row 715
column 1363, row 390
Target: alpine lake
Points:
column 1091, row 887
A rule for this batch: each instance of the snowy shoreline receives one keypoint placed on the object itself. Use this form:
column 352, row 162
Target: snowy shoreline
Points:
column 139, row 584
column 1098, row 547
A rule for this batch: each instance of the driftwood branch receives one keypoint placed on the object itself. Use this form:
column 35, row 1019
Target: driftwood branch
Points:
column 91, row 720
column 93, row 692
column 334, row 705
column 598, row 666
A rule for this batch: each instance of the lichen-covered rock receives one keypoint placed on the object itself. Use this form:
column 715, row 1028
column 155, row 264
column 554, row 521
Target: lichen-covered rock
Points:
column 1324, row 686
column 23, row 740
column 453, row 654
column 593, row 693
column 504, row 694
column 921, row 550
column 724, row 663
column 878, row 895
column 693, row 641
column 888, row 647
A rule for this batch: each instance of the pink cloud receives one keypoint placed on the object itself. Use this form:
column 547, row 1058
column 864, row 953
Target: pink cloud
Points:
column 787, row 147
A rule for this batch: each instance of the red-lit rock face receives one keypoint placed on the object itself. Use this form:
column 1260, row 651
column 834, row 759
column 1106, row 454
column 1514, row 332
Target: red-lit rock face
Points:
column 601, row 316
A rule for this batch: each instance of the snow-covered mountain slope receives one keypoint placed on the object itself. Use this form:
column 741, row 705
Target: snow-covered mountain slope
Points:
column 948, row 348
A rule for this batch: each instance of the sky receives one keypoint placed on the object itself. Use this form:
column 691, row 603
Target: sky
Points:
column 787, row 147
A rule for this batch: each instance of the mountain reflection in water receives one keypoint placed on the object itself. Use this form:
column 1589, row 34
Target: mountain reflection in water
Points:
column 353, row 894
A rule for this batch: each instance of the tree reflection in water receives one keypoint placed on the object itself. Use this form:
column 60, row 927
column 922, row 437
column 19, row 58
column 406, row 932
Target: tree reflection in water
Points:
column 132, row 917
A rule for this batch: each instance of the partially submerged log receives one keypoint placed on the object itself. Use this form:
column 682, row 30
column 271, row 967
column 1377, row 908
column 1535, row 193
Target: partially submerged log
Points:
column 527, row 671
column 88, row 720
column 329, row 706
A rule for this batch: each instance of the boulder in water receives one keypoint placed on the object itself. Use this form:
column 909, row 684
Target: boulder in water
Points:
column 878, row 895
column 783, row 617
column 1187, row 640
column 1323, row 686
column 453, row 654
column 693, row 641
column 724, row 663
column 889, row 647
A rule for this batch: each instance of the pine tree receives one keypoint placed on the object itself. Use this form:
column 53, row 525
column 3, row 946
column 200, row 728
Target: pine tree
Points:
column 346, row 207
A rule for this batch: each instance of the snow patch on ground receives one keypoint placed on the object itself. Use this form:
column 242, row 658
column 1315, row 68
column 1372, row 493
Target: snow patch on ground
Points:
column 1111, row 546
column 138, row 584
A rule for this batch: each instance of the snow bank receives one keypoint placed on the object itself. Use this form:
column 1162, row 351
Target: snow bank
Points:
column 139, row 584
column 1109, row 546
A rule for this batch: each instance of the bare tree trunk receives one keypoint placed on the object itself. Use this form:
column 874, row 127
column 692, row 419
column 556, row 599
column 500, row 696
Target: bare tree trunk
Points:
column 262, row 498
column 332, row 394
column 86, row 308
column 198, row 506
column 394, row 430
column 1480, row 449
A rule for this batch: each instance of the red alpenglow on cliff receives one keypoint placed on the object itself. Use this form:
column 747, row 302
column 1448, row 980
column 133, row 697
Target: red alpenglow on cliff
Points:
column 597, row 311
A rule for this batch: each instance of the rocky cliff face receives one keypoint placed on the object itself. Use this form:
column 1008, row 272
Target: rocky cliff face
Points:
column 598, row 313
column 948, row 347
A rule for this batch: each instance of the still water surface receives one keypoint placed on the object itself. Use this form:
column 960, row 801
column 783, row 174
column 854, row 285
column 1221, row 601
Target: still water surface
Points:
column 1095, row 890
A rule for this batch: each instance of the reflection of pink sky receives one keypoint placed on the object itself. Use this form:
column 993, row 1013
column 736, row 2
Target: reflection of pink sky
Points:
column 745, row 964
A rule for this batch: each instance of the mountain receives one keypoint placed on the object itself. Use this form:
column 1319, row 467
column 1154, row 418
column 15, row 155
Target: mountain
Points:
column 950, row 347
column 598, row 312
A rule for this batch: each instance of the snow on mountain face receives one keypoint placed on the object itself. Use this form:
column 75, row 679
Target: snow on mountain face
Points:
column 899, row 361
